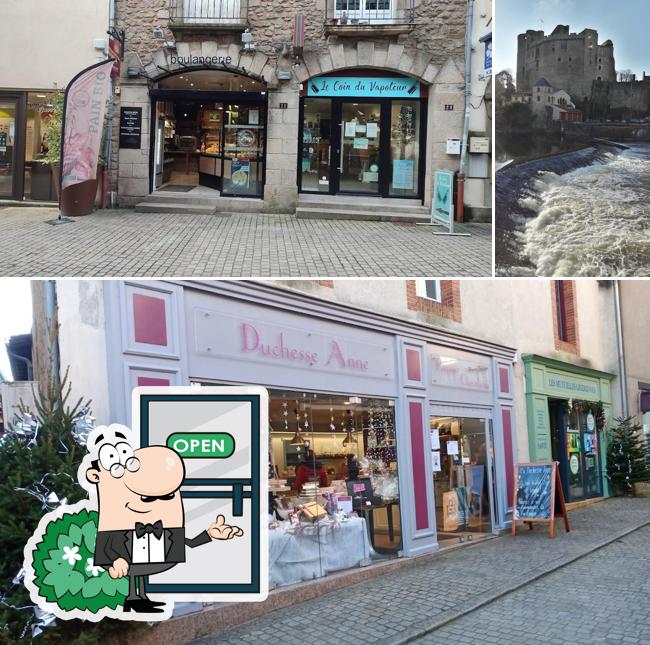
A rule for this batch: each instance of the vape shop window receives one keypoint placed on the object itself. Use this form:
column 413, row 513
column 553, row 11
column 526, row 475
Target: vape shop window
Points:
column 333, row 472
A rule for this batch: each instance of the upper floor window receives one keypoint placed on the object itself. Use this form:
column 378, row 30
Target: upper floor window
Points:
column 440, row 298
column 565, row 314
column 369, row 10
column 429, row 289
column 209, row 12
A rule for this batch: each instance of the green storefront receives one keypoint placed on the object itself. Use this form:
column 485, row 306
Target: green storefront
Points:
column 568, row 408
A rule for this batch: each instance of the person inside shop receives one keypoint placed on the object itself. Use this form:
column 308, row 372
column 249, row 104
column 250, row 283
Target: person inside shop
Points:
column 310, row 470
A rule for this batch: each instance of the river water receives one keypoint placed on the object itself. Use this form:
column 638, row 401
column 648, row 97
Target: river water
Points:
column 593, row 221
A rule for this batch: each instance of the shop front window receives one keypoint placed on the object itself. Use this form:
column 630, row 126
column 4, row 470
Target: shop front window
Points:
column 463, row 478
column 8, row 110
column 405, row 148
column 316, row 141
column 39, row 184
column 360, row 157
column 334, row 488
column 243, row 165
column 575, row 446
column 211, row 132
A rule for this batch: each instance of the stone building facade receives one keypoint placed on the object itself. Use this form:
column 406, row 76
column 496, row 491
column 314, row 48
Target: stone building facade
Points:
column 569, row 61
column 621, row 100
column 416, row 41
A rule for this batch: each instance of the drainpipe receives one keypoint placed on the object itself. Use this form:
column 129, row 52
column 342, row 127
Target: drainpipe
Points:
column 622, row 376
column 468, row 106
column 52, row 332
column 108, row 149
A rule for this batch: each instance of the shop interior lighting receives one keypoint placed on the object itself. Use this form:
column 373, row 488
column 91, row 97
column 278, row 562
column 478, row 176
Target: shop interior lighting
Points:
column 349, row 436
column 297, row 439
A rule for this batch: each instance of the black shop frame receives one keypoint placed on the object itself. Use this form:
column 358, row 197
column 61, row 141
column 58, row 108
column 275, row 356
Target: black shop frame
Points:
column 385, row 166
column 245, row 98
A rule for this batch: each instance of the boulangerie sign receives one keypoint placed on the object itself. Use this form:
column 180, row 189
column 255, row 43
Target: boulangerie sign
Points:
column 85, row 108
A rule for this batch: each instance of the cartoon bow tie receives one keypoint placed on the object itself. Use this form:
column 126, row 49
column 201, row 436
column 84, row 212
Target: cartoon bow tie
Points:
column 156, row 529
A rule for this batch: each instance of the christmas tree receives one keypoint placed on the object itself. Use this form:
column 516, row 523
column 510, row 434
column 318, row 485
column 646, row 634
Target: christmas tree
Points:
column 39, row 457
column 626, row 457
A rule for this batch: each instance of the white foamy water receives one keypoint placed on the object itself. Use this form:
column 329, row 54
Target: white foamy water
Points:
column 594, row 221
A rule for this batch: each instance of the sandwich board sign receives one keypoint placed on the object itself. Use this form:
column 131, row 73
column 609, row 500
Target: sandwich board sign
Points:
column 538, row 495
column 221, row 435
column 442, row 204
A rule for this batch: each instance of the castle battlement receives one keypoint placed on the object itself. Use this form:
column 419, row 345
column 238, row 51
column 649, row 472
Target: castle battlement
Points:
column 570, row 61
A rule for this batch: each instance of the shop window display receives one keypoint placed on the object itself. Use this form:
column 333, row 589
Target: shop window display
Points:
column 334, row 493
column 462, row 476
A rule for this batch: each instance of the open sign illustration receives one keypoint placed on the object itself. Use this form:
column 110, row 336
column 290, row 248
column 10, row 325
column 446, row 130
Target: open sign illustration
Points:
column 176, row 511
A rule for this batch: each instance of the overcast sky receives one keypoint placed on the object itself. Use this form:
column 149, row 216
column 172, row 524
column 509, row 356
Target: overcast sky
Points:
column 15, row 315
column 624, row 22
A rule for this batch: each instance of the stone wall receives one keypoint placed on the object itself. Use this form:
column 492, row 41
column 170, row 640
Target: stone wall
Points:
column 433, row 52
column 621, row 100
column 567, row 61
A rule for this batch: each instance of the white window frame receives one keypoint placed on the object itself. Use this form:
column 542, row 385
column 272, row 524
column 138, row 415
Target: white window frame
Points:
column 208, row 11
column 421, row 289
column 363, row 13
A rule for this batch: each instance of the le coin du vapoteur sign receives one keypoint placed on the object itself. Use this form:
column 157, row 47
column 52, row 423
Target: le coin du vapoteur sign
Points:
column 351, row 86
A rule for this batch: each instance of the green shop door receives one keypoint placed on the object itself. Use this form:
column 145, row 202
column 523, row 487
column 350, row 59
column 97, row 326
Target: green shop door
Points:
column 574, row 445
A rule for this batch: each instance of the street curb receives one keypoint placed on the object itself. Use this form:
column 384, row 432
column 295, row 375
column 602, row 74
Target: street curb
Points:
column 450, row 618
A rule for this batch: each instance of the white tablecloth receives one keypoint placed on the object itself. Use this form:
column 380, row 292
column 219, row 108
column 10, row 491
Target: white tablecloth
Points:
column 306, row 552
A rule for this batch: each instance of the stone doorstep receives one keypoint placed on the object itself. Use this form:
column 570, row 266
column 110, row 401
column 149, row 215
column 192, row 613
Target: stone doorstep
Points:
column 572, row 506
column 212, row 619
column 10, row 203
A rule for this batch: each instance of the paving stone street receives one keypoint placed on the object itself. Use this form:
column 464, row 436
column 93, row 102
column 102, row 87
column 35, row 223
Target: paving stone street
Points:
column 121, row 243
column 588, row 586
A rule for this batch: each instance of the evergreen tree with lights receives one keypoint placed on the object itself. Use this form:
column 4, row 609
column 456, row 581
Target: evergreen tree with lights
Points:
column 626, row 457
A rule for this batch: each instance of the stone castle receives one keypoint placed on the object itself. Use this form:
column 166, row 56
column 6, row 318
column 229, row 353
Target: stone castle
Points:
column 568, row 61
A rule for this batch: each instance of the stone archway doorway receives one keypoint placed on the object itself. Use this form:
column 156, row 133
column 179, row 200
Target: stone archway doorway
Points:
column 208, row 133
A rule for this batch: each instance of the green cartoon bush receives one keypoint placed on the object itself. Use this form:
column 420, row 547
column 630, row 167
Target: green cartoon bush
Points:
column 64, row 569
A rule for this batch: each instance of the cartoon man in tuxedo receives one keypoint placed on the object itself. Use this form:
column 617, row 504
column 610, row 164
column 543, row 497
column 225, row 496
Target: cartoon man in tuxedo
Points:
column 141, row 519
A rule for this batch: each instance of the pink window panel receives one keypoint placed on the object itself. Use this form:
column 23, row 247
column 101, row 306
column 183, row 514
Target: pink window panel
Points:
column 149, row 320
column 504, row 380
column 413, row 371
column 506, row 417
column 148, row 381
column 419, row 469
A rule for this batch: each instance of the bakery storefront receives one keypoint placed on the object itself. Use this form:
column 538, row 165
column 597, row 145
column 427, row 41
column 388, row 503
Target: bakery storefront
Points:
column 24, row 172
column 355, row 474
column 363, row 133
column 568, row 409
column 209, row 130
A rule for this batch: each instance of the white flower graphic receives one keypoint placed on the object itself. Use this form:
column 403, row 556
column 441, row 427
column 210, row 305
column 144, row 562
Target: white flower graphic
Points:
column 91, row 568
column 71, row 555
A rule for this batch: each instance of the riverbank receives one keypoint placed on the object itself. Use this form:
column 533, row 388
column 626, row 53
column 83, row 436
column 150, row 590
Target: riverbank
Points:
column 517, row 188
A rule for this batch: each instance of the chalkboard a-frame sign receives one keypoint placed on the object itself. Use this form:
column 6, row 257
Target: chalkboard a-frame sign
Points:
column 538, row 495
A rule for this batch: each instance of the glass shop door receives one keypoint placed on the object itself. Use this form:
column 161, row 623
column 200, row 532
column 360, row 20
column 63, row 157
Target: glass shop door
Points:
column 360, row 148
column 9, row 149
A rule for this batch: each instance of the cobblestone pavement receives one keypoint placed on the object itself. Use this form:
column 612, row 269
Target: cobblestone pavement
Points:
column 584, row 594
column 602, row 598
column 123, row 243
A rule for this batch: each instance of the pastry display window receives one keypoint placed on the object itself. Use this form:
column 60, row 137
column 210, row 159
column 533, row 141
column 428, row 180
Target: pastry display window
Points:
column 333, row 482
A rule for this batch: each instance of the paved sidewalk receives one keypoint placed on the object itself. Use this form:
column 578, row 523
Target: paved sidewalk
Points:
column 407, row 604
column 123, row 243
column 602, row 598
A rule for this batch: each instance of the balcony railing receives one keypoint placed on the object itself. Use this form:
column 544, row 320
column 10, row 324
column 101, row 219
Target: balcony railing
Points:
column 226, row 14
column 355, row 14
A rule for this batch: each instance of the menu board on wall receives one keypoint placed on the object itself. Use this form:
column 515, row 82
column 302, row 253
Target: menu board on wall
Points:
column 538, row 492
column 130, row 127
